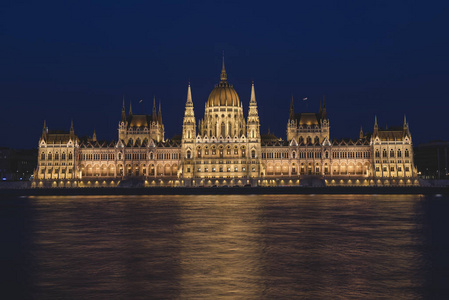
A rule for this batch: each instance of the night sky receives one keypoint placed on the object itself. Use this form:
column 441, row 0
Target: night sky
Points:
column 61, row 61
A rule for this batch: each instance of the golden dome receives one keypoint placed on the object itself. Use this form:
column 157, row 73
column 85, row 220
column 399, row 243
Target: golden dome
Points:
column 223, row 94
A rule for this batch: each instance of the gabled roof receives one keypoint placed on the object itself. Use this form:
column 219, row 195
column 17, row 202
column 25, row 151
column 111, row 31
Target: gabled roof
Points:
column 169, row 144
column 140, row 120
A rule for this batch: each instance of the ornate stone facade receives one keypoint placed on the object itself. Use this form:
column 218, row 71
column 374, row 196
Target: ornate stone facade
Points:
column 225, row 149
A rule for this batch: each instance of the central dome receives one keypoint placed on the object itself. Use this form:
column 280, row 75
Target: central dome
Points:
column 223, row 93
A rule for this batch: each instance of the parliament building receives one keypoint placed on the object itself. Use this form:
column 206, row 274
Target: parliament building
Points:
column 225, row 149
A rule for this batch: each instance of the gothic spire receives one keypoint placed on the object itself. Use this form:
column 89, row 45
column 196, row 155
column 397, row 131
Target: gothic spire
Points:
column 44, row 130
column 223, row 76
column 361, row 132
column 154, row 117
column 323, row 110
column 72, row 130
column 253, row 95
column 130, row 108
column 376, row 127
column 123, row 119
column 94, row 136
column 292, row 110
column 159, row 120
column 189, row 96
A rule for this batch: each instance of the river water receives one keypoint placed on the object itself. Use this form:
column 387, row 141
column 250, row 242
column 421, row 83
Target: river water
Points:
column 225, row 247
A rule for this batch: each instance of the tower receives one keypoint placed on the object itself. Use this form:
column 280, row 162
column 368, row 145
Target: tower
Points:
column 292, row 123
column 253, row 132
column 188, row 138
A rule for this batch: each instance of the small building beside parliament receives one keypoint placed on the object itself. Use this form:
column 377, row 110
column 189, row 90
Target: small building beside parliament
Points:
column 225, row 149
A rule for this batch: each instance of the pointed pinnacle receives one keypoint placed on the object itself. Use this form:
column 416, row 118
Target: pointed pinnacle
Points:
column 189, row 95
column 253, row 94
column 223, row 76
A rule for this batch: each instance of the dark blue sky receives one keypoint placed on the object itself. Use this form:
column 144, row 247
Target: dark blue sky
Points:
column 61, row 60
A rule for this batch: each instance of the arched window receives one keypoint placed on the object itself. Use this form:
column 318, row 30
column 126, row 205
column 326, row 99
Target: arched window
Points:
column 253, row 153
column 309, row 140
column 407, row 154
column 49, row 156
column 56, row 156
column 43, row 156
column 384, row 153
column 63, row 155
column 70, row 155
column 151, row 155
column 189, row 154
column 293, row 154
column 223, row 128
column 317, row 140
column 391, row 153
column 399, row 153
column 326, row 154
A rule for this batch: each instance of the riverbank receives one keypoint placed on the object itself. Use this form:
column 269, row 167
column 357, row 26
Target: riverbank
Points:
column 394, row 190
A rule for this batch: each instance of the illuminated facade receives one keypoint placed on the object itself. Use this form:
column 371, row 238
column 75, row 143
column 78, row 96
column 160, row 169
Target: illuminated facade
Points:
column 225, row 149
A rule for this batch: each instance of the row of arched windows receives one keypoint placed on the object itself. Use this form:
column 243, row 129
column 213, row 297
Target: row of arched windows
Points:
column 308, row 140
column 56, row 156
column 392, row 153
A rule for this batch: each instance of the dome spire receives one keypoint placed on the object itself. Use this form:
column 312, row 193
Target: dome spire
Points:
column 253, row 94
column 223, row 76
column 189, row 96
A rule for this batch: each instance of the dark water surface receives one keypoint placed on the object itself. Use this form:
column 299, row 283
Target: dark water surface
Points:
column 225, row 247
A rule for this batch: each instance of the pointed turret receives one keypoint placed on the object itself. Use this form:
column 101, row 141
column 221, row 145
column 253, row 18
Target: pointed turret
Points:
column 405, row 122
column 323, row 110
column 253, row 95
column 123, row 118
column 130, row 108
column 44, row 130
column 154, row 116
column 72, row 130
column 189, row 124
column 376, row 127
column 253, row 116
column 292, row 110
column 94, row 136
column 159, row 118
column 223, row 76
column 189, row 96
column 361, row 132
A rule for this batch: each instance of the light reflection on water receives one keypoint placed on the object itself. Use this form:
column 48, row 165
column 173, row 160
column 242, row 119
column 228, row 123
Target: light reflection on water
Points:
column 224, row 247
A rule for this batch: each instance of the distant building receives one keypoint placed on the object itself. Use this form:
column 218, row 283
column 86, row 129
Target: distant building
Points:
column 17, row 164
column 432, row 160
column 225, row 148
